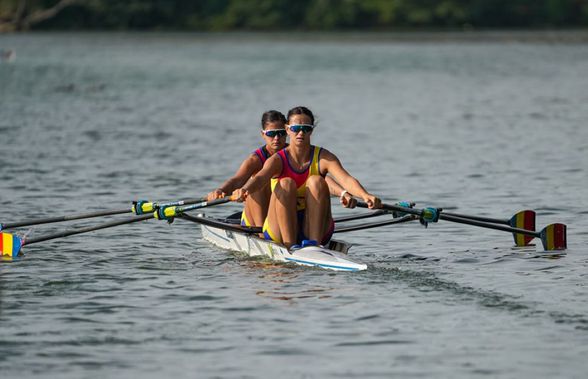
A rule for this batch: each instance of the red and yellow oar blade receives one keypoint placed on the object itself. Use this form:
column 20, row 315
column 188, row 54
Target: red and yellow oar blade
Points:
column 10, row 245
column 554, row 237
column 523, row 220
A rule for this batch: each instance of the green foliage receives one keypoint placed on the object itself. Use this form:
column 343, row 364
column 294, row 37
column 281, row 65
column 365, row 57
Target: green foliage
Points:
column 263, row 15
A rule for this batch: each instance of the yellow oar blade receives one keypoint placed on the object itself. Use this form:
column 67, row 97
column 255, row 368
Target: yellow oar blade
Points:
column 10, row 245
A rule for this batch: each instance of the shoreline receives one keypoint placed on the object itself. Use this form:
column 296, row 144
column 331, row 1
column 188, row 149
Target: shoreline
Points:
column 442, row 36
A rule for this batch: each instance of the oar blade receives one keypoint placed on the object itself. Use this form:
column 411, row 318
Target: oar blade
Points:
column 10, row 245
column 523, row 220
column 554, row 237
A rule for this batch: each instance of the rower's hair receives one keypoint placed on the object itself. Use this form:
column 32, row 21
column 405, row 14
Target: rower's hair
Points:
column 272, row 116
column 301, row 110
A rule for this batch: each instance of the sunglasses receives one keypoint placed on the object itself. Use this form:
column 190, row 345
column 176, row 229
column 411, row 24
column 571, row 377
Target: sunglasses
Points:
column 274, row 132
column 304, row 128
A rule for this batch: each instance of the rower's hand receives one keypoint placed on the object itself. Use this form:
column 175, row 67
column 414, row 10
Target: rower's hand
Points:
column 216, row 194
column 348, row 201
column 240, row 195
column 373, row 201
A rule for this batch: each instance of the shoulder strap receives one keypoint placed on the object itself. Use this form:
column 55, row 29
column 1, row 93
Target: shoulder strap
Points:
column 314, row 164
column 262, row 154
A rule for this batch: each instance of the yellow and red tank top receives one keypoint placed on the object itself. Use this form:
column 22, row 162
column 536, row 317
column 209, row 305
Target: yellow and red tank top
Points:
column 299, row 177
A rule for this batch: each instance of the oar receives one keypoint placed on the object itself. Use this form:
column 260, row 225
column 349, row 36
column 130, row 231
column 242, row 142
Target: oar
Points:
column 376, row 213
column 522, row 220
column 139, row 207
column 11, row 245
column 375, row 224
column 553, row 236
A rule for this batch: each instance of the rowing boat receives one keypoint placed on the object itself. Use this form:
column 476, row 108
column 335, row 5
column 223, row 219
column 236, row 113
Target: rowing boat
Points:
column 226, row 235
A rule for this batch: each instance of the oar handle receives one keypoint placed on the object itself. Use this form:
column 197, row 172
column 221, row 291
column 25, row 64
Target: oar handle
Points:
column 394, row 208
column 144, row 206
column 171, row 211
column 203, row 204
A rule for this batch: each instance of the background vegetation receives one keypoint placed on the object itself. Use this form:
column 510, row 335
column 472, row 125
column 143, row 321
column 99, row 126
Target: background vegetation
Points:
column 300, row 15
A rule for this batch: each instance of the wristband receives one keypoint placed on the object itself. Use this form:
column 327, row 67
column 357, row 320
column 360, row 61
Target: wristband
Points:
column 343, row 194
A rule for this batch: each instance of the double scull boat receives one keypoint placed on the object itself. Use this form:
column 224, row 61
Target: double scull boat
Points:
column 229, row 235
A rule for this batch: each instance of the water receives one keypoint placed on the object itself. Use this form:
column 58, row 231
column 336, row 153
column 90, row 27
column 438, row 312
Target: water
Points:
column 480, row 125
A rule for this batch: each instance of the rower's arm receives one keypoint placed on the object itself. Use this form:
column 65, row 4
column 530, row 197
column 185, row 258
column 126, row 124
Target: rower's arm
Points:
column 331, row 165
column 334, row 188
column 271, row 168
column 337, row 191
column 250, row 166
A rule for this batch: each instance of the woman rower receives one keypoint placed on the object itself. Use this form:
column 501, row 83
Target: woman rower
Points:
column 273, row 133
column 300, row 207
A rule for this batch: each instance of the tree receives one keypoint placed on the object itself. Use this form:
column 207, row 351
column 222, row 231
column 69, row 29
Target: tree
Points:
column 18, row 15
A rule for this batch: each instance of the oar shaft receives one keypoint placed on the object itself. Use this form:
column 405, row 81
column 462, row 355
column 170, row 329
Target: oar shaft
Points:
column 374, row 224
column 87, row 229
column 64, row 218
column 487, row 225
column 480, row 218
column 391, row 207
column 453, row 218
column 81, row 216
column 376, row 213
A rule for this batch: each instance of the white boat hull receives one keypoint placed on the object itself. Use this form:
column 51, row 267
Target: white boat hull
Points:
column 253, row 246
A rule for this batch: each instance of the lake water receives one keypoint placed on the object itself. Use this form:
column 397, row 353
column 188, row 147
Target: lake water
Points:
column 479, row 125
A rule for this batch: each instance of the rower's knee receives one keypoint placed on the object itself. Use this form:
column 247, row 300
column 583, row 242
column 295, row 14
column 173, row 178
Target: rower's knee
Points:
column 316, row 184
column 285, row 189
column 261, row 196
column 286, row 185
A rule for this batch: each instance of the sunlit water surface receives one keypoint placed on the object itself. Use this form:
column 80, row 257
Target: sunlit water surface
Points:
column 485, row 127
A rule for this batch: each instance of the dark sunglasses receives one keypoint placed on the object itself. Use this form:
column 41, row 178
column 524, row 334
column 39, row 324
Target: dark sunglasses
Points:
column 274, row 132
column 304, row 128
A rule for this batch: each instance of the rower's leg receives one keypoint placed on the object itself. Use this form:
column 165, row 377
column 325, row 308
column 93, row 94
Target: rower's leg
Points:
column 256, row 206
column 317, row 218
column 281, row 214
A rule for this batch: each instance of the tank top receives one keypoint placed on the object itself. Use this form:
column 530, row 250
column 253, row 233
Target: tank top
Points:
column 299, row 177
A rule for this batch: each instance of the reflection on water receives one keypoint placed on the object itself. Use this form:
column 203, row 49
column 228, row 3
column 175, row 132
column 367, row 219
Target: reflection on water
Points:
column 282, row 282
